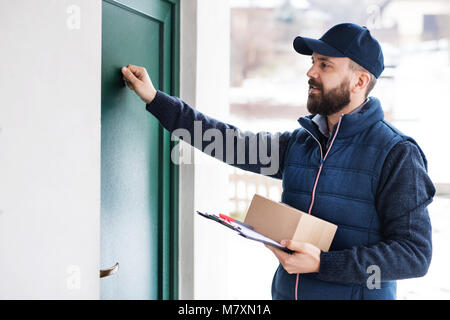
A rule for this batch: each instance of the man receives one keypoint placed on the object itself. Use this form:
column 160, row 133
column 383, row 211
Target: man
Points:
column 345, row 164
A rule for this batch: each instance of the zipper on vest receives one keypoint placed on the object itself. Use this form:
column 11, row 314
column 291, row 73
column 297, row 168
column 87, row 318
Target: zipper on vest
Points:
column 322, row 160
column 320, row 146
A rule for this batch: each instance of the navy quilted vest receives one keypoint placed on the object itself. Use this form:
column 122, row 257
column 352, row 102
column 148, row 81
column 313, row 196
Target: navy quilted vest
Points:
column 345, row 194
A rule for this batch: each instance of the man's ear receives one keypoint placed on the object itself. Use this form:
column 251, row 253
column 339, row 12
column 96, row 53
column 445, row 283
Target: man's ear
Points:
column 361, row 82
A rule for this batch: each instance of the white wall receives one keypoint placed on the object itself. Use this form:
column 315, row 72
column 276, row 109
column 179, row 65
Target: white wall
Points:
column 204, row 72
column 211, row 176
column 50, row 149
column 188, row 84
column 204, row 86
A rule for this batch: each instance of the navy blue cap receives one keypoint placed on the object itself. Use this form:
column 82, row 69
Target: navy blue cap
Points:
column 346, row 40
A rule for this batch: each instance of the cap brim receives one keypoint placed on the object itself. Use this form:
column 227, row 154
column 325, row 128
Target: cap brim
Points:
column 307, row 46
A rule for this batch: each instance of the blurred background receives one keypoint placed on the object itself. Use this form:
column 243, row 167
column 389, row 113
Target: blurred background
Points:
column 232, row 60
column 268, row 92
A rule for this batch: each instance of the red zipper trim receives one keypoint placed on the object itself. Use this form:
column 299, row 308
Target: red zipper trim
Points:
column 321, row 165
column 322, row 160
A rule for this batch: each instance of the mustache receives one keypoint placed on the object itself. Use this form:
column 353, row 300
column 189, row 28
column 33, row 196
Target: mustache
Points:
column 313, row 82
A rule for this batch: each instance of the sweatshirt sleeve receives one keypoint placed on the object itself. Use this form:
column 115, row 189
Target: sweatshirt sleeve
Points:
column 404, row 192
column 262, row 152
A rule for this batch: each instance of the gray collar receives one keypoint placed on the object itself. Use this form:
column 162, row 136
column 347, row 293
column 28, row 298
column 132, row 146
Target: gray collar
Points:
column 322, row 123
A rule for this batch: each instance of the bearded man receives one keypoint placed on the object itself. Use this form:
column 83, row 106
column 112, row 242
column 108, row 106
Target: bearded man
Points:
column 345, row 164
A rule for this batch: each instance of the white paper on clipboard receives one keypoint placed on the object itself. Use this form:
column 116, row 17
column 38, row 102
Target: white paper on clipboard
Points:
column 245, row 232
column 253, row 235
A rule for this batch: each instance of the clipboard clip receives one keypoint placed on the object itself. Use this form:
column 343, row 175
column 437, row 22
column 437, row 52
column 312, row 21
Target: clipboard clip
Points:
column 217, row 219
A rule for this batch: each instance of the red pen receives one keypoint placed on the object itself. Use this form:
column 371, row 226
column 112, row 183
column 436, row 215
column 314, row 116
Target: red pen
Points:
column 230, row 219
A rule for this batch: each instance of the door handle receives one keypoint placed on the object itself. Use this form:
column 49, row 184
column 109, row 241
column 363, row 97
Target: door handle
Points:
column 110, row 271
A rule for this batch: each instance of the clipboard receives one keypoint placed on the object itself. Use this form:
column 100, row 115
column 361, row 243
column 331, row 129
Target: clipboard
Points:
column 244, row 230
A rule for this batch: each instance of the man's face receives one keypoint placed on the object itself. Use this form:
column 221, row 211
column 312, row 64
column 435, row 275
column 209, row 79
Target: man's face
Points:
column 329, row 85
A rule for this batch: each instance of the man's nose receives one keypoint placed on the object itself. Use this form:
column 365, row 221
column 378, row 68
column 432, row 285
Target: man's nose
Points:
column 312, row 72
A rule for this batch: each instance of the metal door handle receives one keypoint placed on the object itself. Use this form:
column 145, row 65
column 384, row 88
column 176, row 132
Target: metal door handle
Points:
column 110, row 271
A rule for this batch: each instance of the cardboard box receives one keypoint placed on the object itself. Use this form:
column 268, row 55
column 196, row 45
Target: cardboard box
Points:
column 279, row 221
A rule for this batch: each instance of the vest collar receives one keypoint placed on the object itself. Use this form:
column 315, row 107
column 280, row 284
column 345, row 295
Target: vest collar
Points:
column 351, row 124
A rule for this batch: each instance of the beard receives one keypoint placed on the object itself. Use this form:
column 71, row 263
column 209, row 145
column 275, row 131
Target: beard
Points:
column 330, row 102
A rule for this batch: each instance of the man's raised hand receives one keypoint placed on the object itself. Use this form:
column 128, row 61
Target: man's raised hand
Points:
column 138, row 80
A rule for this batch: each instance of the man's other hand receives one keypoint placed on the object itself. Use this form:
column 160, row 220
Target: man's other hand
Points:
column 305, row 259
column 138, row 80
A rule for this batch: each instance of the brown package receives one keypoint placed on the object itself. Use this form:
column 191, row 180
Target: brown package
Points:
column 279, row 221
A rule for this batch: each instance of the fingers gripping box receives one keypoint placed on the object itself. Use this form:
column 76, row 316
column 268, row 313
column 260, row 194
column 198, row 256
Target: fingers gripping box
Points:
column 279, row 221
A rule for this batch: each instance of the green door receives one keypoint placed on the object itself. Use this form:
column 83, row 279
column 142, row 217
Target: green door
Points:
column 139, row 185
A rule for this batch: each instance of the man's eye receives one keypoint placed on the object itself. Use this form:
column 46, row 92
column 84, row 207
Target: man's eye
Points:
column 324, row 65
